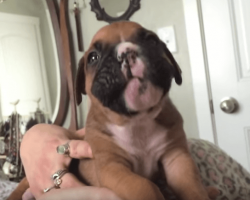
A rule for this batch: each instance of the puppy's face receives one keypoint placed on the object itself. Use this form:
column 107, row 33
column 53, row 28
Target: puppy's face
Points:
column 127, row 69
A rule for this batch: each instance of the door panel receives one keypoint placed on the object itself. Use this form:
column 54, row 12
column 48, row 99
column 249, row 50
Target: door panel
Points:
column 21, row 61
column 227, row 28
column 241, row 19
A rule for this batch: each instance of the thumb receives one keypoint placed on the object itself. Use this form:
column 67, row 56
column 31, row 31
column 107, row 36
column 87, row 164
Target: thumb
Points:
column 80, row 149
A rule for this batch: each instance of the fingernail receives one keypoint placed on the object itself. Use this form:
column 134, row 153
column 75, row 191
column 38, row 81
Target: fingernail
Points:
column 90, row 152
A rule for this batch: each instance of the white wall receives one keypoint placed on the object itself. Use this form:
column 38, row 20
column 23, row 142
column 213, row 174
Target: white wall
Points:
column 152, row 15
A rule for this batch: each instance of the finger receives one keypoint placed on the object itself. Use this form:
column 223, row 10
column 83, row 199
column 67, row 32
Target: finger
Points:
column 88, row 192
column 28, row 195
column 70, row 181
column 81, row 132
column 80, row 149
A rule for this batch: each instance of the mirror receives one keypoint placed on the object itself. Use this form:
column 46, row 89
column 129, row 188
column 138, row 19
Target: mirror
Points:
column 31, row 60
column 114, row 10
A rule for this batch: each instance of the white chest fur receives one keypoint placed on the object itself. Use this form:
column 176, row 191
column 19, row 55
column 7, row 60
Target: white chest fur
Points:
column 145, row 141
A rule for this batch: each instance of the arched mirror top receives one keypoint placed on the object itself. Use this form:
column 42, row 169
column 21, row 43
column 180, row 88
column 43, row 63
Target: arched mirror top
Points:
column 114, row 10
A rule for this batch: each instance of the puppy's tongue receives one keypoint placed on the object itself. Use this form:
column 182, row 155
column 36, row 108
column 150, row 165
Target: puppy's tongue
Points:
column 140, row 95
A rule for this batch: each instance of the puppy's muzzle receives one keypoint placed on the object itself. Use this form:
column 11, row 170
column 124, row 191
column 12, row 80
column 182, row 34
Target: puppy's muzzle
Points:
column 130, row 55
column 130, row 60
column 127, row 60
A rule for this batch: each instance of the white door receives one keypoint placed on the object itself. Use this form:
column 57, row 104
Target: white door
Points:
column 227, row 39
column 22, row 70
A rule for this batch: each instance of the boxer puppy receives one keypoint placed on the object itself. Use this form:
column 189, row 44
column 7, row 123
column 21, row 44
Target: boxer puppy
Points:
column 132, row 125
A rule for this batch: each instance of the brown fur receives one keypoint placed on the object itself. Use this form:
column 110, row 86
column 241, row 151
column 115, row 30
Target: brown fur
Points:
column 19, row 191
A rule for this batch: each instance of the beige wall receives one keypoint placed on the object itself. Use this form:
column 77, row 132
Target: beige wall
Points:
column 152, row 15
column 113, row 11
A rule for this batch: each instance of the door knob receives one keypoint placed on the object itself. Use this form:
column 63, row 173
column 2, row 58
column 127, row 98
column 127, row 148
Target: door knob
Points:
column 228, row 105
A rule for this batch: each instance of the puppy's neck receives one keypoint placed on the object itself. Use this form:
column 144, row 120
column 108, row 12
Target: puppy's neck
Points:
column 111, row 117
column 143, row 138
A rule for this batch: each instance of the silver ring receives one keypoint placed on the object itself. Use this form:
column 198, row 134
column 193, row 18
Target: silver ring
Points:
column 58, row 174
column 63, row 149
column 56, row 178
column 49, row 188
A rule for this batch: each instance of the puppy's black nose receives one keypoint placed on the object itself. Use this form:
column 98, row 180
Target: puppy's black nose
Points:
column 129, row 56
column 127, row 59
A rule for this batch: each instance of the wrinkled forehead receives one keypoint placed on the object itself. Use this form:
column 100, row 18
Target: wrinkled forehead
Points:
column 116, row 32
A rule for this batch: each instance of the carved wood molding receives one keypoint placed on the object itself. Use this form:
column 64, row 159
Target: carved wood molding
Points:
column 68, row 64
column 63, row 100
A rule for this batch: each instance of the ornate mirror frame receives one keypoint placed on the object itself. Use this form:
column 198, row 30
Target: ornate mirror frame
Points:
column 63, row 99
column 101, row 14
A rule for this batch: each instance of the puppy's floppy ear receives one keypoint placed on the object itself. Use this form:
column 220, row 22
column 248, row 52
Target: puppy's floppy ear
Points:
column 177, row 69
column 80, row 82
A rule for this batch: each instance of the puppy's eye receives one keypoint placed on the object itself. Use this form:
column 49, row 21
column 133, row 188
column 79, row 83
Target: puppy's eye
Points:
column 149, row 37
column 93, row 57
column 152, row 39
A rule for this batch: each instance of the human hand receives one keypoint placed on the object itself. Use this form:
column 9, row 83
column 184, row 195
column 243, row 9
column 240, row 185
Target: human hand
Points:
column 40, row 159
column 80, row 193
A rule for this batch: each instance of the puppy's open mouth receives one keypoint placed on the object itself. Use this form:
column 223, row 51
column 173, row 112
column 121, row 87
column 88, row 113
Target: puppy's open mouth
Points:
column 140, row 94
